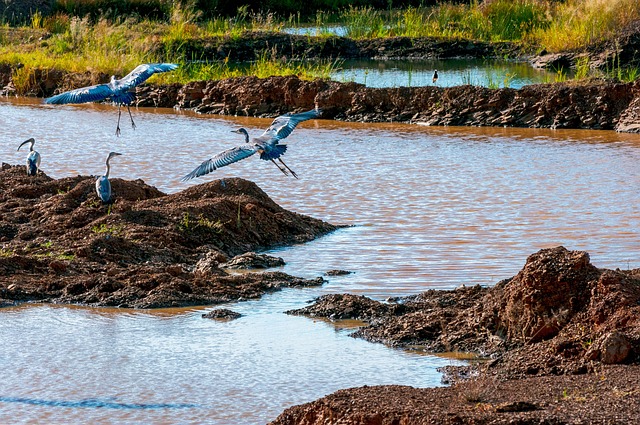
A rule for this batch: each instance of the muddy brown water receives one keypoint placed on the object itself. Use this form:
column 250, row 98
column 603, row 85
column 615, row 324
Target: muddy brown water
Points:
column 430, row 208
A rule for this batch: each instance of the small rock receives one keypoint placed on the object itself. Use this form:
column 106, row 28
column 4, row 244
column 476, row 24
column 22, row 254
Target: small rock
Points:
column 337, row 272
column 222, row 313
column 209, row 264
column 615, row 348
column 251, row 260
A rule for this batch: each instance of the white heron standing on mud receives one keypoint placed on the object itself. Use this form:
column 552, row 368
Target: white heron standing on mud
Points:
column 118, row 90
column 33, row 159
column 266, row 145
column 103, row 186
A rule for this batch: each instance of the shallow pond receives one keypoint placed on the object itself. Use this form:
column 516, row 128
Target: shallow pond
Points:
column 430, row 208
column 451, row 72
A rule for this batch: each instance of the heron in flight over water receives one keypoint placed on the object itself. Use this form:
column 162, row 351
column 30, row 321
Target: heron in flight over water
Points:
column 120, row 91
column 266, row 145
column 33, row 159
column 103, row 186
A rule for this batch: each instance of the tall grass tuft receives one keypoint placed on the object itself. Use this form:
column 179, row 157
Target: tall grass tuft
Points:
column 579, row 23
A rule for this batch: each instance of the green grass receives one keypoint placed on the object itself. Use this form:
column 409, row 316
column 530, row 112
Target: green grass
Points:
column 114, row 43
column 104, row 229
column 578, row 23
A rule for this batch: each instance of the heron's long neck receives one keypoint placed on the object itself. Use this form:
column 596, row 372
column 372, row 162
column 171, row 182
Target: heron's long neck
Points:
column 31, row 146
column 246, row 135
column 108, row 169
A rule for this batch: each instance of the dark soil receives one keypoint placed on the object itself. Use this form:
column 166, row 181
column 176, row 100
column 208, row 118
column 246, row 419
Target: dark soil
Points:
column 551, row 333
column 60, row 244
column 609, row 396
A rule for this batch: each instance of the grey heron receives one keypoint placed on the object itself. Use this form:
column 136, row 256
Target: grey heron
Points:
column 103, row 186
column 118, row 90
column 266, row 145
column 33, row 159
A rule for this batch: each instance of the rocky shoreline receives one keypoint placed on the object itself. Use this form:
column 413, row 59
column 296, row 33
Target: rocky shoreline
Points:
column 562, row 338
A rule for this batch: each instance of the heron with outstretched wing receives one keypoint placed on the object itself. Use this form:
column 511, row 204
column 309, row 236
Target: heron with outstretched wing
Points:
column 119, row 91
column 267, row 145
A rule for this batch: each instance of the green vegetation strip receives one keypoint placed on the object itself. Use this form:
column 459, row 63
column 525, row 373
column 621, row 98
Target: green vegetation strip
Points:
column 115, row 45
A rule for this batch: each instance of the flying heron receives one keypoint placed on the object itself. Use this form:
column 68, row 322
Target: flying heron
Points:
column 266, row 145
column 118, row 90
column 103, row 187
column 435, row 76
column 33, row 159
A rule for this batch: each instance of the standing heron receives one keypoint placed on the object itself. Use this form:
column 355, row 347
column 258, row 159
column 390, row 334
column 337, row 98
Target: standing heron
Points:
column 266, row 145
column 103, row 186
column 118, row 90
column 33, row 159
column 435, row 77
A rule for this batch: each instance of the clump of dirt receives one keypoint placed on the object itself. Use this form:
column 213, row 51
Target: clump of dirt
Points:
column 559, row 314
column 59, row 243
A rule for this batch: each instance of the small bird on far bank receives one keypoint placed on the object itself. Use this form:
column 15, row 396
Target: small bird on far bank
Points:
column 435, row 77
column 266, row 145
column 120, row 91
column 103, row 186
column 33, row 159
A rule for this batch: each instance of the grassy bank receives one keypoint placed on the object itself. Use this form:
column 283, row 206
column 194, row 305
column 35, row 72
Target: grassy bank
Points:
column 113, row 43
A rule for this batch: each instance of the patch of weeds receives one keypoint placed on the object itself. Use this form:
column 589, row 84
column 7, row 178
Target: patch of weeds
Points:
column 189, row 224
column 103, row 228
column 582, row 68
column 67, row 257
column 215, row 226
column 6, row 252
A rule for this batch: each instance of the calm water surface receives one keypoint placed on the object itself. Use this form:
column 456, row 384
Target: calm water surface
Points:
column 430, row 208
column 451, row 72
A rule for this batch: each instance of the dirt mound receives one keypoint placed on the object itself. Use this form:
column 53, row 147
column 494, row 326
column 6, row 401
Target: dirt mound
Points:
column 559, row 314
column 148, row 249
column 347, row 306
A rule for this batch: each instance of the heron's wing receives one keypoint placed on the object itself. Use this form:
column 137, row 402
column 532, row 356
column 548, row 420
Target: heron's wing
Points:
column 220, row 160
column 142, row 73
column 103, row 188
column 283, row 125
column 82, row 95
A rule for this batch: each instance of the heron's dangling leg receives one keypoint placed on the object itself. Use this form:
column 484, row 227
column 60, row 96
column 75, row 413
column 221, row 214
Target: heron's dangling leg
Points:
column 287, row 167
column 280, row 168
column 130, row 116
column 118, row 127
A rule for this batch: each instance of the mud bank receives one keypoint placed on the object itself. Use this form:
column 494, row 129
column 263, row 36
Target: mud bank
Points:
column 598, row 105
column 302, row 47
column 553, row 333
column 59, row 244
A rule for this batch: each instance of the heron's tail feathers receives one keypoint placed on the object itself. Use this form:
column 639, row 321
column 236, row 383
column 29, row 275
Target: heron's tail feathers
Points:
column 274, row 153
